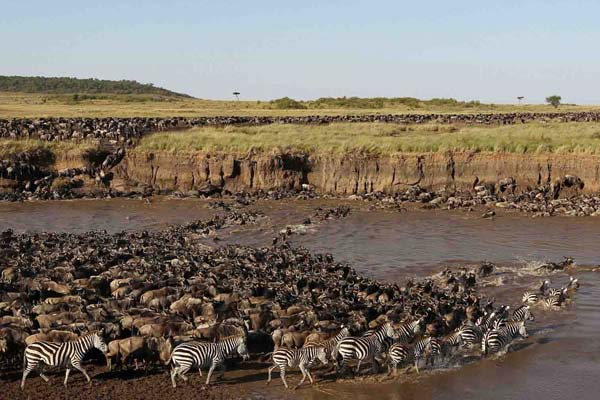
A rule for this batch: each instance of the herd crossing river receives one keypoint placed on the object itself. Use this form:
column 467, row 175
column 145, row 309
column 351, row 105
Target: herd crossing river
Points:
column 558, row 358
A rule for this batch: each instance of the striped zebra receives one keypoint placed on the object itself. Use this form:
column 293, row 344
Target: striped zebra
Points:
column 489, row 320
column 522, row 313
column 203, row 354
column 556, row 299
column 398, row 354
column 470, row 335
column 427, row 348
column 364, row 348
column 66, row 354
column 408, row 331
column 302, row 358
column 495, row 340
column 534, row 297
column 330, row 343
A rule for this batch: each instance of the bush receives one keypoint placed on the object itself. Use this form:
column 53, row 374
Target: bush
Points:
column 95, row 157
column 285, row 103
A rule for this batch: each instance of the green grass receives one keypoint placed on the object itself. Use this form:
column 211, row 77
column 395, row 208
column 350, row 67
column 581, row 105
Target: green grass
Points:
column 383, row 139
column 9, row 147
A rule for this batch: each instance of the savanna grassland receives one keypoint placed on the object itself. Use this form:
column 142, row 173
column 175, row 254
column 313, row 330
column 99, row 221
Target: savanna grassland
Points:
column 383, row 139
column 35, row 105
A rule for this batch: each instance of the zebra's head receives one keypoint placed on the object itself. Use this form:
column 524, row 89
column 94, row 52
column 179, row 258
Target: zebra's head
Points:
column 573, row 282
column 99, row 343
column 343, row 333
column 242, row 350
column 523, row 330
column 418, row 326
column 545, row 285
column 322, row 355
column 528, row 314
column 389, row 331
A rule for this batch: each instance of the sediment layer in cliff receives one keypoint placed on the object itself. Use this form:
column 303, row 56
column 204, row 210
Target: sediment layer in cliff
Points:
column 351, row 173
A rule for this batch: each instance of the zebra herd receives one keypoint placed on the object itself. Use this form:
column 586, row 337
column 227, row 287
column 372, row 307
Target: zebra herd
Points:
column 493, row 331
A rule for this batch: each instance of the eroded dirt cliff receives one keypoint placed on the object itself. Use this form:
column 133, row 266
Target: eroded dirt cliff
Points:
column 351, row 173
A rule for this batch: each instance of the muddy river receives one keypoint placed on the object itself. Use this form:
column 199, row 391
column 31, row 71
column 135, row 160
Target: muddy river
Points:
column 561, row 359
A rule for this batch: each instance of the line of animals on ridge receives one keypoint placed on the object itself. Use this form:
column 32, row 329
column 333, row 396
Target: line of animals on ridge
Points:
column 494, row 331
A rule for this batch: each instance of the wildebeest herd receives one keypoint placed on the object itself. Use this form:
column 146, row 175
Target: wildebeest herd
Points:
column 126, row 130
column 163, row 297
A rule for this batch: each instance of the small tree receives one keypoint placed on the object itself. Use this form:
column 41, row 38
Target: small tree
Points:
column 554, row 101
column 520, row 98
column 237, row 95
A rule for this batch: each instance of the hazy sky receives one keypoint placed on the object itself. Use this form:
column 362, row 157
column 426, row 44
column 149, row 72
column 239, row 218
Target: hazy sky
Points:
column 308, row 49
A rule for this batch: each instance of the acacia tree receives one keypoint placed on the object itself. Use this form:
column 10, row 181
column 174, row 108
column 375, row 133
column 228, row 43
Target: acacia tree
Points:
column 554, row 100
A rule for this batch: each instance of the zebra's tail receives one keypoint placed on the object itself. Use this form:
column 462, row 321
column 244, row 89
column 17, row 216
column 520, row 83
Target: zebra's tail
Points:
column 265, row 357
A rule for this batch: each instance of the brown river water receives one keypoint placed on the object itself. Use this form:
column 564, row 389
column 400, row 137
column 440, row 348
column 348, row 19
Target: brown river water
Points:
column 560, row 360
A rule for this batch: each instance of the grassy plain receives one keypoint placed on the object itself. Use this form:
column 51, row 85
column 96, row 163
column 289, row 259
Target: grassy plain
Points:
column 22, row 105
column 381, row 138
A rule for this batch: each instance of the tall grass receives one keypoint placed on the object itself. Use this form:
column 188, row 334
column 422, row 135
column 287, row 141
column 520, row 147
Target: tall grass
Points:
column 378, row 138
column 9, row 147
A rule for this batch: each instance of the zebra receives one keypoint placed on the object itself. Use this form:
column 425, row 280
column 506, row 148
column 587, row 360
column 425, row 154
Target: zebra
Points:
column 203, row 354
column 363, row 348
column 330, row 343
column 534, row 297
column 406, row 332
column 451, row 342
column 427, row 347
column 573, row 283
column 556, row 299
column 397, row 354
column 302, row 358
column 490, row 320
column 470, row 335
column 67, row 354
column 496, row 339
column 523, row 313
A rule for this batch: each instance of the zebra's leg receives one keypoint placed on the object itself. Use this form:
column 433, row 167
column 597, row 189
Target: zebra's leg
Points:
column 342, row 365
column 173, row 374
column 182, row 371
column 417, row 365
column 309, row 376
column 392, row 368
column 358, row 367
column 67, row 376
column 79, row 368
column 221, row 371
column 210, row 372
column 44, row 377
column 26, row 371
column 269, row 371
column 304, row 374
column 282, row 373
column 375, row 368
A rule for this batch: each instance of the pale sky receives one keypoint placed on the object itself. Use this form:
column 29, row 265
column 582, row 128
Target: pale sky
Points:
column 309, row 49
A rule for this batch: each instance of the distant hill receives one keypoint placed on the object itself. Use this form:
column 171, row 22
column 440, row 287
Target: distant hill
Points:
column 40, row 84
